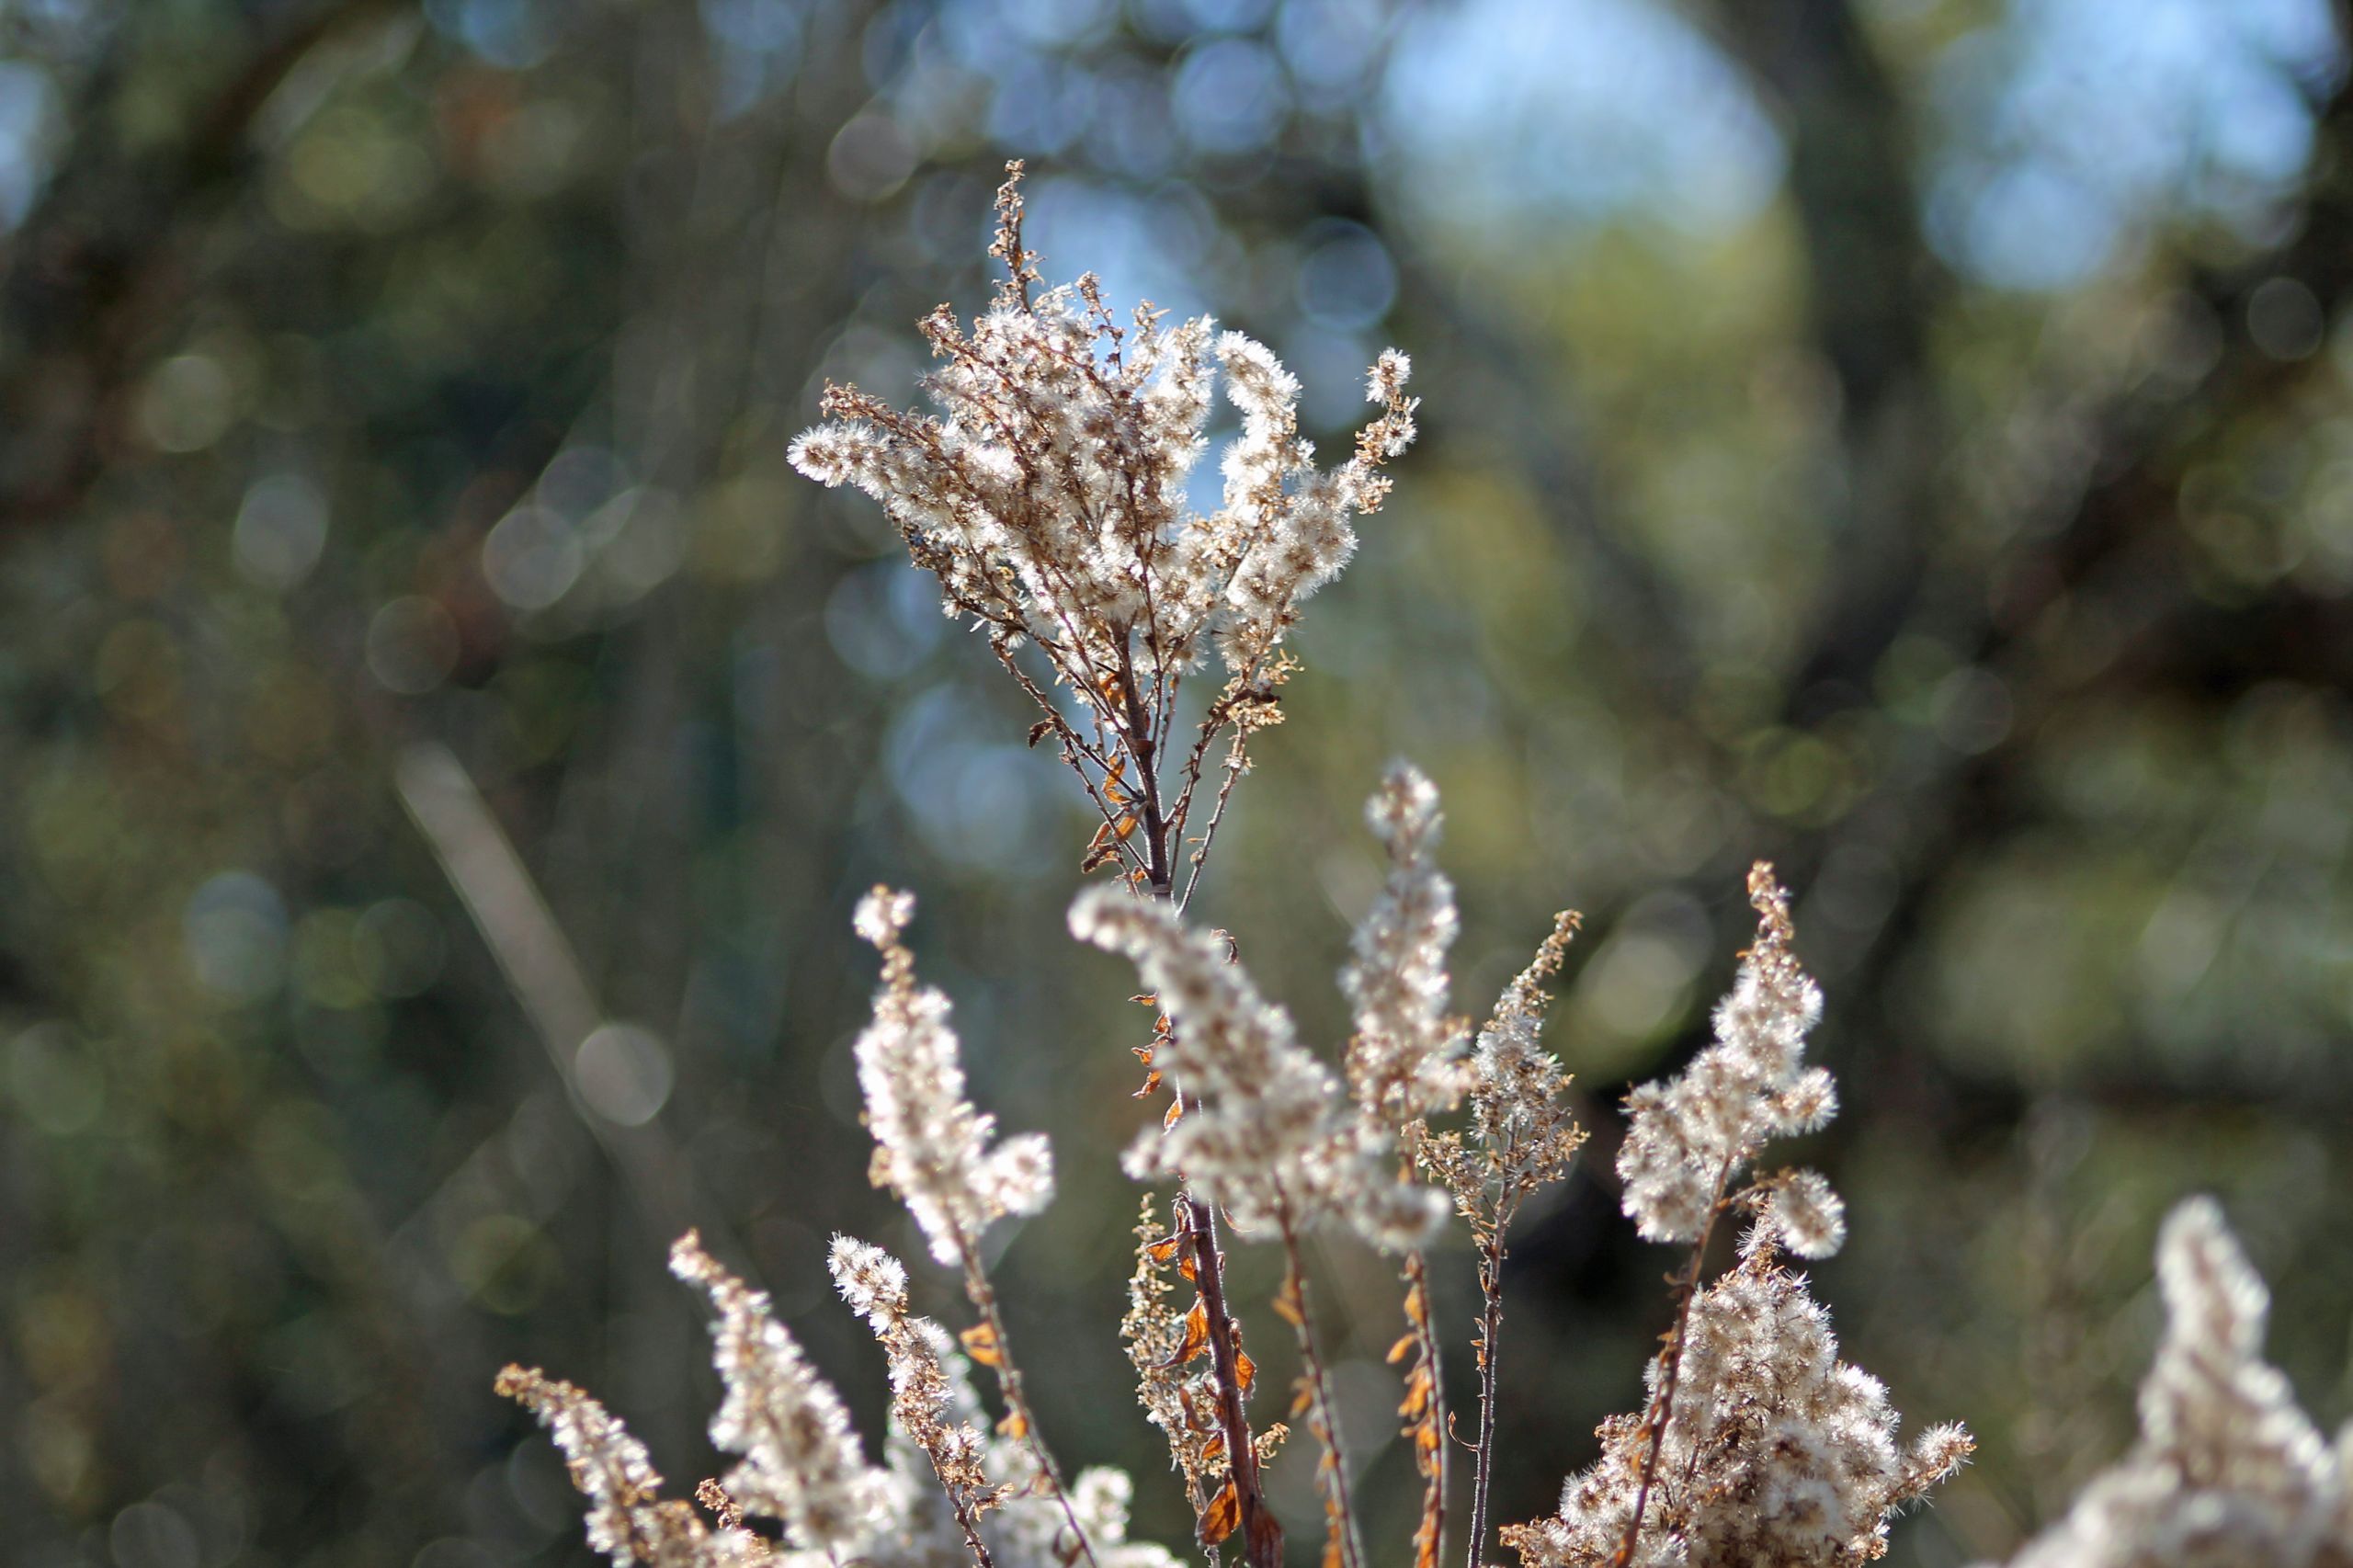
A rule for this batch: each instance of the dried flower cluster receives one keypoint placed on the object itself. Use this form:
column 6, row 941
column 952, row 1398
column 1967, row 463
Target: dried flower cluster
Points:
column 628, row 1521
column 801, row 1463
column 2229, row 1472
column 1758, row 1447
column 1522, row 1137
column 1048, row 499
column 1405, row 1064
column 1776, row 1454
column 930, row 1146
column 874, row 1284
column 1269, row 1138
column 1688, row 1138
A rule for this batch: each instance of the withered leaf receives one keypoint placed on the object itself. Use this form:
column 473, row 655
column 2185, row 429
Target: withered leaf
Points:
column 1197, row 1333
column 1224, row 1513
column 980, row 1344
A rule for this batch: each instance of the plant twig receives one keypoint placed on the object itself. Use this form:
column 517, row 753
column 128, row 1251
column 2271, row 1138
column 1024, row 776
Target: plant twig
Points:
column 999, row 1359
column 1262, row 1537
column 1341, row 1547
column 1662, row 1409
column 1491, row 1325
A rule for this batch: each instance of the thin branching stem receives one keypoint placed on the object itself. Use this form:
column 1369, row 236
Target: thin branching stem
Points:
column 1491, row 1326
column 1332, row 1465
column 1262, row 1537
column 983, row 1296
column 1661, row 1410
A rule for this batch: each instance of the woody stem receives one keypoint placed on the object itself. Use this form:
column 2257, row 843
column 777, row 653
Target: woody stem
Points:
column 1009, row 1377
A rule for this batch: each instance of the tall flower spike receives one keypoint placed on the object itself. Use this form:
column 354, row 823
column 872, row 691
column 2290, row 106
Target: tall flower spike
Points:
column 930, row 1146
column 1522, row 1138
column 628, row 1521
column 1689, row 1136
column 1271, row 1135
column 1517, row 1114
column 2228, row 1471
column 1404, row 1064
column 801, row 1464
column 923, row 1398
column 608, row 1467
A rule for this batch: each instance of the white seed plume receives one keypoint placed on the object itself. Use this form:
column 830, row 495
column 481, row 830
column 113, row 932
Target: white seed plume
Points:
column 1049, row 500
column 1267, row 1132
column 801, row 1464
column 1777, row 1454
column 608, row 1467
column 924, row 1400
column 930, row 1146
column 1405, row 1063
column 2228, row 1472
column 1690, row 1135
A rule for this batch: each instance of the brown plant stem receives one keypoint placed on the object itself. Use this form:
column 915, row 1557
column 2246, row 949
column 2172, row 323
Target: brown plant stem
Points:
column 983, row 1296
column 966, row 1520
column 1661, row 1410
column 1491, row 1325
column 1332, row 1466
column 1262, row 1537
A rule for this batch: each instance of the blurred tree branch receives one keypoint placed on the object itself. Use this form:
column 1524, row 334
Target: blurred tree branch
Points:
column 1873, row 294
column 95, row 267
column 2109, row 562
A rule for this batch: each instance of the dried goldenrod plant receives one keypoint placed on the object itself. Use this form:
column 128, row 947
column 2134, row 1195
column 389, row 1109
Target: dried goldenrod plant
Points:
column 2228, row 1469
column 1048, row 497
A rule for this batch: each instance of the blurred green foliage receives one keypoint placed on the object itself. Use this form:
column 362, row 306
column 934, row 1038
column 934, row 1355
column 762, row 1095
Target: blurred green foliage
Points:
column 1904, row 438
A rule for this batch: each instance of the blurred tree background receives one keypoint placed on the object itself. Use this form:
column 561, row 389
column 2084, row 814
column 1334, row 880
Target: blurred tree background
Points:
column 1911, row 439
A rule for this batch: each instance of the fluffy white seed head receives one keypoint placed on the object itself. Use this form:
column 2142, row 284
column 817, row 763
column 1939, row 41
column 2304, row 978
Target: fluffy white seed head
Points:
column 2228, row 1469
column 1691, row 1134
column 1406, row 1061
column 932, row 1147
column 801, row 1464
column 1777, row 1454
column 1049, row 493
column 1267, row 1132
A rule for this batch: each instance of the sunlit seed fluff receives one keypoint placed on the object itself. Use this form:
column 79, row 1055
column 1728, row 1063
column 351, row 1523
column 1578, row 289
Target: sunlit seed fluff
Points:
column 1271, row 1135
column 2228, row 1473
column 801, row 1464
column 608, row 1467
column 1778, row 1455
column 1049, row 495
column 932, row 1148
column 1805, row 1216
column 1406, row 1061
column 927, row 1406
column 1689, row 1135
